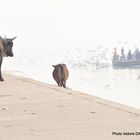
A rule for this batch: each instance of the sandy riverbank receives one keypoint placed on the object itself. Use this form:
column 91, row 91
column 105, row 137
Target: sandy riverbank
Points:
column 31, row 110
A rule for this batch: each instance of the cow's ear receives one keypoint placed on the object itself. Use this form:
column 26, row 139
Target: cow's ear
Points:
column 53, row 66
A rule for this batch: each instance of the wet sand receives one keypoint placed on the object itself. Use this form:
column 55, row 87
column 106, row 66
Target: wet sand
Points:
column 31, row 110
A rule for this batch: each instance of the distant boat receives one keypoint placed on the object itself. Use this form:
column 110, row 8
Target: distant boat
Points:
column 121, row 61
column 126, row 63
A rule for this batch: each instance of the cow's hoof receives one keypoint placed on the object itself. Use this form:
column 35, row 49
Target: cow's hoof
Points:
column 1, row 79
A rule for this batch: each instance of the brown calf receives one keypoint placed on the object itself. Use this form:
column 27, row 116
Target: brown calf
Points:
column 60, row 74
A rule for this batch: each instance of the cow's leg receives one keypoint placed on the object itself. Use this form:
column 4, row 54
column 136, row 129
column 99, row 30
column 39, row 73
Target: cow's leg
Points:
column 64, row 84
column 1, row 79
column 58, row 83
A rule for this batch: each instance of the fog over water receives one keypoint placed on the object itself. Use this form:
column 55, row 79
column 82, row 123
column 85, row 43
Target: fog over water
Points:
column 80, row 33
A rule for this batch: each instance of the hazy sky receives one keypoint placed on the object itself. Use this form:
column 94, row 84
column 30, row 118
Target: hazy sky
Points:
column 54, row 23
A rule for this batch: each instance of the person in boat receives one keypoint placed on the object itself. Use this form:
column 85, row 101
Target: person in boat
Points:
column 137, row 54
column 129, row 55
column 115, row 56
column 122, row 58
column 122, row 51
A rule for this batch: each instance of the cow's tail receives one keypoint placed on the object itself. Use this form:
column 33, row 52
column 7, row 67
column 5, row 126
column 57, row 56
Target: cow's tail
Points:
column 63, row 76
column 62, row 70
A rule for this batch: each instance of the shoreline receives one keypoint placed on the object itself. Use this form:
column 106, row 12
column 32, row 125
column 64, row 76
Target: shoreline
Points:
column 83, row 95
column 34, row 110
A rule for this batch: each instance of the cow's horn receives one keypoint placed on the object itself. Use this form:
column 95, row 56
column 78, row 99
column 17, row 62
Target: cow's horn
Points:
column 13, row 38
column 53, row 66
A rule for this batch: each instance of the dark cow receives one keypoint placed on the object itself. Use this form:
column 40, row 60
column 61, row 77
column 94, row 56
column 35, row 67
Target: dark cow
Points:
column 60, row 74
column 6, row 45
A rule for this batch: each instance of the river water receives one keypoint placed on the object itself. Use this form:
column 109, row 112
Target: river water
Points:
column 90, row 71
